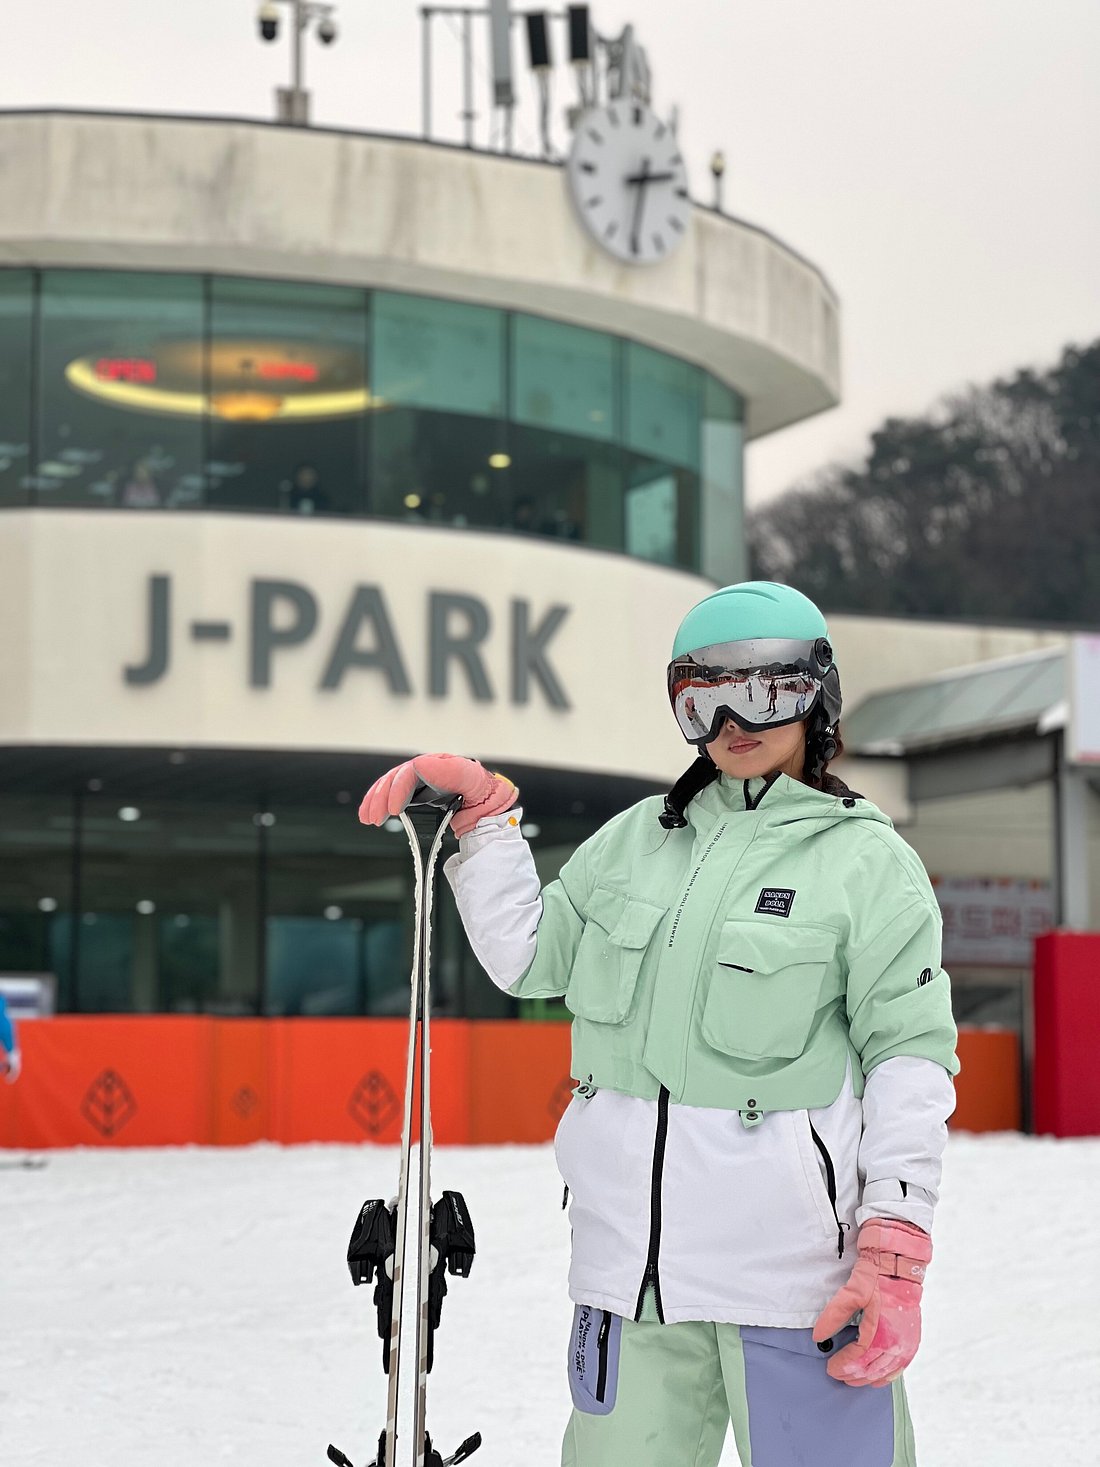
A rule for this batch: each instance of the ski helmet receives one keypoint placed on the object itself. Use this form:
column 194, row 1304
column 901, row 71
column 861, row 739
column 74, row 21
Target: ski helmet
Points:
column 757, row 652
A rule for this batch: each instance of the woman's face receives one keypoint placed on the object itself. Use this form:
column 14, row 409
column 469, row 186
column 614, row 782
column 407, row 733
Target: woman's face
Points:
column 749, row 753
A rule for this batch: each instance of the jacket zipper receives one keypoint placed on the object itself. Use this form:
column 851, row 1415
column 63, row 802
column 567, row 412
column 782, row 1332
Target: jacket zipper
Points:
column 651, row 1275
column 830, row 1183
column 601, row 1355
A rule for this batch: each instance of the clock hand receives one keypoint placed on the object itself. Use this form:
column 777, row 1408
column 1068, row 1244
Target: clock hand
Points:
column 639, row 205
column 650, row 178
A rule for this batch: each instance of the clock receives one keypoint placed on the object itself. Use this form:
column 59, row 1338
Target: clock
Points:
column 628, row 182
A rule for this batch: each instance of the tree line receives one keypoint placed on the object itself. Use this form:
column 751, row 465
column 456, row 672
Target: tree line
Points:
column 986, row 508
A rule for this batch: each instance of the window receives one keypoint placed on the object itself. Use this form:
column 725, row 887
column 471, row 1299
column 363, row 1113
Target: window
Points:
column 16, row 315
column 440, row 447
column 120, row 390
column 724, row 552
column 663, row 400
column 338, row 902
column 564, row 378
column 288, row 397
column 177, row 391
column 170, row 909
column 437, row 354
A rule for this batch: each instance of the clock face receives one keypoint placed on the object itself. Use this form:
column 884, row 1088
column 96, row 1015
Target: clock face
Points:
column 628, row 182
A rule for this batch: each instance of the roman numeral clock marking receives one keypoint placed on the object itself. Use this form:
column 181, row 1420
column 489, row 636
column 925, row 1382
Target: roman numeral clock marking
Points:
column 629, row 183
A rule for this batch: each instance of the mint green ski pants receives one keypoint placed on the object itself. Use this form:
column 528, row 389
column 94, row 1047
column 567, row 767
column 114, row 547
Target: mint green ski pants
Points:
column 656, row 1395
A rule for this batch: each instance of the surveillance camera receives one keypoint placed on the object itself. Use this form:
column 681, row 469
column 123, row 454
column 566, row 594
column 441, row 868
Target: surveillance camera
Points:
column 268, row 19
column 326, row 31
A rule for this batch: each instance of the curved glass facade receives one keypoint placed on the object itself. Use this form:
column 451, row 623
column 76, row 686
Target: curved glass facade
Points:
column 156, row 391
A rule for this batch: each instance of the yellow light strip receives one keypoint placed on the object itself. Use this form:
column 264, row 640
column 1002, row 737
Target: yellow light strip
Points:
column 142, row 398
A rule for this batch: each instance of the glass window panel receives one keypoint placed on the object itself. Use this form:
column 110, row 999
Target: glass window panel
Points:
column 566, row 488
column 663, row 401
column 440, row 468
column 289, row 397
column 437, row 354
column 724, row 552
column 170, row 902
column 16, row 311
column 120, row 401
column 661, row 514
column 339, row 915
column 36, row 838
column 564, row 377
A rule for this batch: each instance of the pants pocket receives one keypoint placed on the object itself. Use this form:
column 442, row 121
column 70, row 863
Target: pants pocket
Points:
column 594, row 1345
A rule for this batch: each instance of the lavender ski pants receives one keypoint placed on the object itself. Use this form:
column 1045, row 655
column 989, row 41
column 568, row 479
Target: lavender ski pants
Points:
column 653, row 1395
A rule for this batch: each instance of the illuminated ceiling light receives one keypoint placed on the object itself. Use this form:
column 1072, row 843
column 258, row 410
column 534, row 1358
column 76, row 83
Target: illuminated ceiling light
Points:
column 146, row 908
column 129, row 813
column 530, row 830
column 393, row 825
column 47, row 904
column 250, row 380
column 95, row 785
column 412, row 501
column 333, row 914
column 265, row 818
column 500, row 461
column 246, row 407
column 54, row 469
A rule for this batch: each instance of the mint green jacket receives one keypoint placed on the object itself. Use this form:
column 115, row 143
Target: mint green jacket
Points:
column 741, row 961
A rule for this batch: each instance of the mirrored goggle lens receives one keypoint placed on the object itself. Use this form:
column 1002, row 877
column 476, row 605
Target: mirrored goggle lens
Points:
column 754, row 700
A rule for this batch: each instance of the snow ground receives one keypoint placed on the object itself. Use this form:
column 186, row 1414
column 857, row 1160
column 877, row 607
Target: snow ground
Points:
column 191, row 1307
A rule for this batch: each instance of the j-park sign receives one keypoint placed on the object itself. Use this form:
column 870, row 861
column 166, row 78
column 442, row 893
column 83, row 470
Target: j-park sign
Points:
column 283, row 615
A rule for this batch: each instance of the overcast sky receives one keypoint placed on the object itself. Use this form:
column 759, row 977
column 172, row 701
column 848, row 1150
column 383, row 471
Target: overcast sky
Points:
column 936, row 158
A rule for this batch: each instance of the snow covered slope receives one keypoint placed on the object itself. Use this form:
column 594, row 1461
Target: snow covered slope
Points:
column 193, row 1307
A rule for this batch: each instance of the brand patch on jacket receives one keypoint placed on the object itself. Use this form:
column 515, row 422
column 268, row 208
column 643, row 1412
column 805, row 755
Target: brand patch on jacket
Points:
column 776, row 901
column 925, row 977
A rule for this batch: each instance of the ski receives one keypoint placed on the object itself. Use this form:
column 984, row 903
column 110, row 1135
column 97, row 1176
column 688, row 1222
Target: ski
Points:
column 443, row 1240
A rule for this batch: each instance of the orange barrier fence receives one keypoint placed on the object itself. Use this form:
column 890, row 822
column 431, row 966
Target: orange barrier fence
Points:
column 157, row 1081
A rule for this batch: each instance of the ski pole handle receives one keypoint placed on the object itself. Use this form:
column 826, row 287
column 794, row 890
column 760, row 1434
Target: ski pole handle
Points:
column 428, row 797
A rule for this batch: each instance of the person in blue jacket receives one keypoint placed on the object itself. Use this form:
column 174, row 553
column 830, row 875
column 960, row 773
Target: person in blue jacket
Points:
column 10, row 1062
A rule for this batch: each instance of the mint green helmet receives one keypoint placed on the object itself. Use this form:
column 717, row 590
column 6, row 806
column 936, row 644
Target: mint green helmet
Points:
column 747, row 611
column 758, row 653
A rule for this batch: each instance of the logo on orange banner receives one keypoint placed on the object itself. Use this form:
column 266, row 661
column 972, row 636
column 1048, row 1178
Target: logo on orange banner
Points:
column 108, row 1103
column 245, row 1101
column 374, row 1105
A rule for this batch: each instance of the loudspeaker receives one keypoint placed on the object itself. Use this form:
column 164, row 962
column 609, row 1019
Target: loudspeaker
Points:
column 538, row 40
column 580, row 34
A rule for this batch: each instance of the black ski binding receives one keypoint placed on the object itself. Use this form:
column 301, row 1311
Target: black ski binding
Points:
column 431, row 1456
column 373, row 1241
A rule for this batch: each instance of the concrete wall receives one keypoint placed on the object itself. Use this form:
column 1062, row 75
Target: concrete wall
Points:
column 76, row 613
column 251, row 198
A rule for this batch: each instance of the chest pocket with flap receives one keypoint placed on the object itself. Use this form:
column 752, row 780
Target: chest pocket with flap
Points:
column 618, row 929
column 764, row 991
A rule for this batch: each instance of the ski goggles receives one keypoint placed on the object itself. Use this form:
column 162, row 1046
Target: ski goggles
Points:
column 764, row 683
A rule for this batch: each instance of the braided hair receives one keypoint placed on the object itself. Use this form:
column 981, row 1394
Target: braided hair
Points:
column 823, row 744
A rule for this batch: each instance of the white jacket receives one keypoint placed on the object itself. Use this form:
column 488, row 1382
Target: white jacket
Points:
column 753, row 1228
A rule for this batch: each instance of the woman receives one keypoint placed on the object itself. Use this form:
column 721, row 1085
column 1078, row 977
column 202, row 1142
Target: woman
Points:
column 763, row 1045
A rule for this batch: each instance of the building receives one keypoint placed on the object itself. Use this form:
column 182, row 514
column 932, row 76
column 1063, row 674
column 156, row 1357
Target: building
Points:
column 318, row 449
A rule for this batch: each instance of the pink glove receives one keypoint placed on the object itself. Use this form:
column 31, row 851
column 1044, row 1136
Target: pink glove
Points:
column 886, row 1285
column 482, row 793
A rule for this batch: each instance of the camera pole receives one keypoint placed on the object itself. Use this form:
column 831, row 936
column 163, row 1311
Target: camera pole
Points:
column 292, row 103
